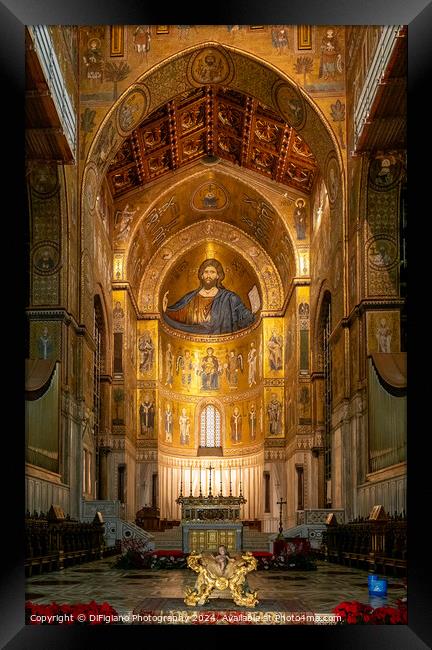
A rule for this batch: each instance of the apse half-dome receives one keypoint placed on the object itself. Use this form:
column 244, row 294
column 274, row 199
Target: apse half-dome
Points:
column 211, row 290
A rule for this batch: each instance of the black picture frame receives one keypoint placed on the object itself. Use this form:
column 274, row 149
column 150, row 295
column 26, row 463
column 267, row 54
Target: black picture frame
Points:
column 14, row 15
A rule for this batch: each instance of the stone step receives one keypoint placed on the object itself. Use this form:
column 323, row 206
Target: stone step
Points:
column 167, row 533
column 168, row 540
column 249, row 545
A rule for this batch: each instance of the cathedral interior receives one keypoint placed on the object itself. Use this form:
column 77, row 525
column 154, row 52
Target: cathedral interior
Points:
column 216, row 311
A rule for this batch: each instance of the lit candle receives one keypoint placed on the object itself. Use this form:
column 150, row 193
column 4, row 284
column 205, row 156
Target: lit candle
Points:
column 190, row 487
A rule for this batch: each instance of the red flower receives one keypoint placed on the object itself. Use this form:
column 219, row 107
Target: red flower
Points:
column 55, row 614
column 354, row 612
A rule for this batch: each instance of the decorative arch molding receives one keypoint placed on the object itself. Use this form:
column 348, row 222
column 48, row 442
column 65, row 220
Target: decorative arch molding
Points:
column 288, row 263
column 105, row 307
column 238, row 70
column 190, row 237
column 325, row 295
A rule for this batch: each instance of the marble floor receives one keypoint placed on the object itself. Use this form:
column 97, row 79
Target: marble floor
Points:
column 134, row 591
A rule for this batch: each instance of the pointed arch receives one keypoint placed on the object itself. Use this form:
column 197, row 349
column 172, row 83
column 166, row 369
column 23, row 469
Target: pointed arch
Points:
column 241, row 71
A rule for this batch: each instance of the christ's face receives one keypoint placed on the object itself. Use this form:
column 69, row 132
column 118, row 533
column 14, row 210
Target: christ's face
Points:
column 209, row 277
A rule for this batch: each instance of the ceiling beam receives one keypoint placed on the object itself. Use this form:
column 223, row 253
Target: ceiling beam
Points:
column 173, row 135
column 210, row 120
column 286, row 148
column 250, row 108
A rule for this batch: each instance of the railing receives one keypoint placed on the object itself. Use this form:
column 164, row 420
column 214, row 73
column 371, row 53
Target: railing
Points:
column 116, row 527
column 48, row 59
column 319, row 515
column 378, row 65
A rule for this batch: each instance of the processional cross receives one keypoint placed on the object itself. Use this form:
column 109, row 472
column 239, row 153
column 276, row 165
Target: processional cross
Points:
column 280, row 504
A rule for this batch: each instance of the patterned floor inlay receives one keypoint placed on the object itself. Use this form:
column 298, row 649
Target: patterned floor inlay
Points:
column 58, row 582
column 140, row 577
column 134, row 590
column 163, row 605
column 286, row 577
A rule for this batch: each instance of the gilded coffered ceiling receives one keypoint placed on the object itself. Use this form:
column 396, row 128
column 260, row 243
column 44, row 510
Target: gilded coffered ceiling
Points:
column 218, row 122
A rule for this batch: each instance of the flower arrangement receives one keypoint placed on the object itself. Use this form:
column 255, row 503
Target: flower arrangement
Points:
column 291, row 557
column 137, row 556
column 90, row 613
column 355, row 613
column 165, row 560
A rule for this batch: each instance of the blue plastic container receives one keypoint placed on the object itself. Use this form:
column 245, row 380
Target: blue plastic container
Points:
column 371, row 580
column 377, row 586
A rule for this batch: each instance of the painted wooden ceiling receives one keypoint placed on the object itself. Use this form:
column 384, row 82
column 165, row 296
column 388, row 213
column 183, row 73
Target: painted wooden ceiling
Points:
column 217, row 122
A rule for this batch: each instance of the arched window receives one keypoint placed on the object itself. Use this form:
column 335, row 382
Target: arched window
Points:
column 210, row 427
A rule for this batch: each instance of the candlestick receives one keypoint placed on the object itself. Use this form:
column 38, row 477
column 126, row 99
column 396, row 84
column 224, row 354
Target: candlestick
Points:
column 190, row 487
column 220, row 469
column 181, row 480
column 240, row 476
column 200, row 490
column 230, row 482
column 210, row 470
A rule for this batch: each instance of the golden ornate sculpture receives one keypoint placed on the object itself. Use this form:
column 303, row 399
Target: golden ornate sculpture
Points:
column 221, row 572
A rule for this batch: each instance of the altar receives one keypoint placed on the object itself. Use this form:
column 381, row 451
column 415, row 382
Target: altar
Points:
column 210, row 521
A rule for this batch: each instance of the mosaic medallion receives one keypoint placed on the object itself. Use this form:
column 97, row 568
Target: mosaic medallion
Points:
column 46, row 258
column 89, row 183
column 210, row 66
column 382, row 254
column 290, row 104
column 43, row 178
column 332, row 176
column 384, row 172
column 132, row 110
column 210, row 196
